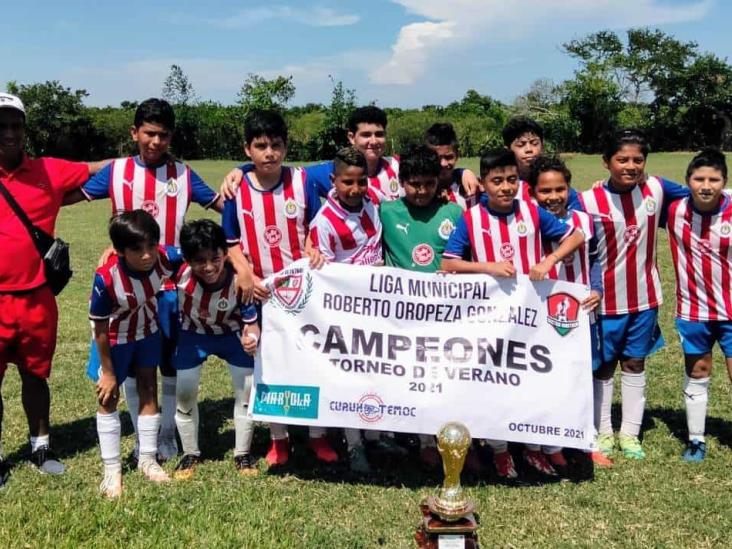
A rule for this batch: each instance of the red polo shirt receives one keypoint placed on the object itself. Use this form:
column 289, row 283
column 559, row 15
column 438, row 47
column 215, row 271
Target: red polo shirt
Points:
column 38, row 185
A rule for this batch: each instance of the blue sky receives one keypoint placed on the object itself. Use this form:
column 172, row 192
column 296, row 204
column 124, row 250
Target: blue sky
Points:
column 395, row 52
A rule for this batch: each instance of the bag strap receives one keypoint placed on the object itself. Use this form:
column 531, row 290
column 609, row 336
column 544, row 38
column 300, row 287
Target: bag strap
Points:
column 33, row 231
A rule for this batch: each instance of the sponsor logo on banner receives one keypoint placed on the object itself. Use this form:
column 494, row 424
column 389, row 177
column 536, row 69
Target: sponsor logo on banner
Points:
column 300, row 401
column 290, row 208
column 150, row 207
column 292, row 290
column 371, row 408
column 562, row 312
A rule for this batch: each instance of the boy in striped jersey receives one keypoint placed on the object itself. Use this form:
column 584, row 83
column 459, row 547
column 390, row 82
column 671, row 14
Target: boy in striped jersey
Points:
column 214, row 322
column 266, row 227
column 502, row 236
column 453, row 181
column 627, row 211
column 700, row 236
column 123, row 309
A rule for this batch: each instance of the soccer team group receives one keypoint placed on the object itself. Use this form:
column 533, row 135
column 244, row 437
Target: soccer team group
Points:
column 169, row 294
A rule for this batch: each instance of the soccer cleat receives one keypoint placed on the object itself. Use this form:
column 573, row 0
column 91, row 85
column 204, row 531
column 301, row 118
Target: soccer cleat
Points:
column 358, row 461
column 695, row 451
column 279, row 452
column 630, row 446
column 387, row 445
column 505, row 468
column 606, row 443
column 430, row 457
column 111, row 485
column 559, row 463
column 167, row 445
column 323, row 450
column 152, row 470
column 244, row 464
column 537, row 461
column 186, row 467
column 4, row 472
column 45, row 461
column 601, row 460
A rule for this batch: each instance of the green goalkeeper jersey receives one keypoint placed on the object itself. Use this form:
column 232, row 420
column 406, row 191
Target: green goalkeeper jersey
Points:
column 414, row 238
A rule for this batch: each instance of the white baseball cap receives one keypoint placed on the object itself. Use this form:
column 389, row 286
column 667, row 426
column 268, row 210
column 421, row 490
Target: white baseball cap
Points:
column 8, row 101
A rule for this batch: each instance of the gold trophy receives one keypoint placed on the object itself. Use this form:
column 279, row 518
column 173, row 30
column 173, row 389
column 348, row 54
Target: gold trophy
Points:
column 449, row 517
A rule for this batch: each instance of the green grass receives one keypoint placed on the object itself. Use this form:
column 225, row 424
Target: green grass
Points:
column 658, row 502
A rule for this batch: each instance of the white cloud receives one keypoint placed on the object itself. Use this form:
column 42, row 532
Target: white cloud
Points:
column 313, row 16
column 465, row 25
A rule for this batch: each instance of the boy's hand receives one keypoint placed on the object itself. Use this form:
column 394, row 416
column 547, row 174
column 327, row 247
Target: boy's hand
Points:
column 245, row 286
column 250, row 338
column 107, row 390
column 106, row 254
column 317, row 260
column 540, row 270
column 502, row 268
column 591, row 302
column 471, row 185
column 231, row 183
column 261, row 293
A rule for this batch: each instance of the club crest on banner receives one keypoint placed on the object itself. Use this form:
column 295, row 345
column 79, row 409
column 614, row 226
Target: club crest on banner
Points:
column 292, row 290
column 562, row 312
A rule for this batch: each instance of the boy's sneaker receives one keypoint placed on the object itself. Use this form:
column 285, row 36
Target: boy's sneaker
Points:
column 505, row 469
column 430, row 457
column 387, row 445
column 696, row 450
column 4, row 472
column 245, row 465
column 167, row 445
column 279, row 452
column 631, row 446
column 358, row 461
column 111, row 485
column 606, row 443
column 537, row 461
column 186, row 467
column 323, row 450
column 152, row 470
column 45, row 461
column 601, row 460
column 559, row 463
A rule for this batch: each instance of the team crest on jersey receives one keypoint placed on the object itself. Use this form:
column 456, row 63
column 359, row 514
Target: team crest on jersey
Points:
column 291, row 208
column 446, row 228
column 705, row 246
column 292, row 290
column 562, row 312
column 631, row 234
column 272, row 235
column 151, row 207
column 222, row 304
column 171, row 187
column 423, row 254
column 650, row 204
column 521, row 228
column 725, row 229
column 393, row 186
column 507, row 251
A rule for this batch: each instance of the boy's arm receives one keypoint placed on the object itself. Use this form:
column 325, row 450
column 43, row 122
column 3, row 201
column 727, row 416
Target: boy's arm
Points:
column 470, row 182
column 97, row 187
column 97, row 166
column 568, row 246
column 458, row 247
column 245, row 277
column 320, row 174
column 203, row 195
column 107, row 390
column 233, row 179
column 672, row 191
column 573, row 200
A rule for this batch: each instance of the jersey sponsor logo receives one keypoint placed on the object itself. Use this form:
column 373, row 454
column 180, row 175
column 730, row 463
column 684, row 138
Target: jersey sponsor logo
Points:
column 650, row 205
column 171, row 187
column 272, row 235
column 292, row 290
column 127, row 183
column 631, row 234
column 402, row 227
column 393, row 186
column 291, row 208
column 507, row 251
column 222, row 304
column 705, row 246
column 521, row 228
column 725, row 229
column 423, row 254
column 287, row 400
column 562, row 312
column 446, row 228
column 151, row 207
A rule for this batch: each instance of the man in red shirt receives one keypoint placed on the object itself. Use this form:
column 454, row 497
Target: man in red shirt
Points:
column 28, row 313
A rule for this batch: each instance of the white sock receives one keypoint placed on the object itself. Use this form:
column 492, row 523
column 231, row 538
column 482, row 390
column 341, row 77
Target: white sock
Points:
column 317, row 432
column 133, row 403
column 109, row 429
column 277, row 431
column 602, row 390
column 167, row 406
column 548, row 450
column 533, row 447
column 498, row 446
column 147, row 427
column 241, row 381
column 39, row 442
column 633, row 394
column 696, row 395
column 353, row 438
column 427, row 441
column 186, row 414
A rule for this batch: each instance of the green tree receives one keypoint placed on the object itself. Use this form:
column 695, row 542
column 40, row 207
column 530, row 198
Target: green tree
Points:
column 333, row 134
column 259, row 93
column 178, row 89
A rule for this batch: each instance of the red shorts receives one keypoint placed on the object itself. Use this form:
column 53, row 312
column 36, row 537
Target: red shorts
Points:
column 28, row 322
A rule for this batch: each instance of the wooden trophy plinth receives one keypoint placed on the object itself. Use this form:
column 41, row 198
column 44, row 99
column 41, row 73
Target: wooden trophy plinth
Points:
column 436, row 533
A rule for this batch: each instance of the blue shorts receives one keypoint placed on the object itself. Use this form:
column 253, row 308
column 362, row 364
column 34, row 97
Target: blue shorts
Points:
column 193, row 349
column 632, row 335
column 596, row 348
column 698, row 338
column 143, row 353
column 168, row 313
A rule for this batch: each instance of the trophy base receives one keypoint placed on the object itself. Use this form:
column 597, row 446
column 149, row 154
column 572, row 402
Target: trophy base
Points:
column 435, row 533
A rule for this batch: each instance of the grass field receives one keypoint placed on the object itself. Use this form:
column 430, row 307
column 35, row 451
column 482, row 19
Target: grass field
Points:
column 658, row 502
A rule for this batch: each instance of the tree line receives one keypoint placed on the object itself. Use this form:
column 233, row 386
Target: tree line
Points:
column 648, row 79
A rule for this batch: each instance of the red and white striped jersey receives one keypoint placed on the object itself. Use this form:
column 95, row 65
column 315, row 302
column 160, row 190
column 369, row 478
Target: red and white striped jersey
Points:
column 386, row 182
column 465, row 202
column 574, row 267
column 524, row 191
column 209, row 312
column 626, row 228
column 128, row 299
column 702, row 254
column 348, row 237
column 273, row 224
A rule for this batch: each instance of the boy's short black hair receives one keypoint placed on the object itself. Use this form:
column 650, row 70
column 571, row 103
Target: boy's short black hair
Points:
column 130, row 230
column 441, row 134
column 370, row 114
column 155, row 111
column 267, row 123
column 518, row 126
column 544, row 164
column 199, row 235
column 625, row 136
column 347, row 157
column 496, row 158
column 418, row 161
column 708, row 157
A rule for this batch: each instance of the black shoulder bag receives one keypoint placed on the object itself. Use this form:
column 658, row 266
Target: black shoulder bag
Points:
column 53, row 251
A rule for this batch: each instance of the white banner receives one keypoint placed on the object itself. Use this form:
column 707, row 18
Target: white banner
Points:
column 394, row 350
